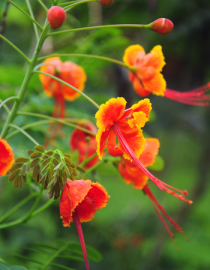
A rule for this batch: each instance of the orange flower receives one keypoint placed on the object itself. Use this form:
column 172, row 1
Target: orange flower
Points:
column 68, row 72
column 146, row 77
column 84, row 197
column 79, row 201
column 85, row 143
column 6, row 157
column 113, row 120
column 132, row 174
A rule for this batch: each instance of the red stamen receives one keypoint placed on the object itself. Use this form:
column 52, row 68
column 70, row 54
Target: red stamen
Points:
column 161, row 185
column 155, row 202
column 193, row 97
column 81, row 238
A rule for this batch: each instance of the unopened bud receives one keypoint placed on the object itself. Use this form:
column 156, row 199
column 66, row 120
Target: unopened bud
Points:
column 106, row 3
column 162, row 26
column 56, row 16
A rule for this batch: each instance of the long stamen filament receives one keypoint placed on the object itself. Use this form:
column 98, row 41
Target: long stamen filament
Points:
column 161, row 185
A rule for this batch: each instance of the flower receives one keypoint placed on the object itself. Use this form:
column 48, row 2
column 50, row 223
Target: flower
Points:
column 132, row 174
column 6, row 157
column 68, row 72
column 79, row 201
column 162, row 26
column 114, row 121
column 71, row 74
column 147, row 79
column 85, row 143
column 84, row 197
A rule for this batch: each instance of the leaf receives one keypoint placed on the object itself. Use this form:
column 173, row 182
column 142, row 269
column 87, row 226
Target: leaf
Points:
column 21, row 160
column 4, row 267
column 61, row 266
column 17, row 267
column 158, row 165
column 40, row 148
column 81, row 169
column 46, row 161
column 50, row 152
column 13, row 175
column 34, row 163
column 16, row 166
column 35, row 155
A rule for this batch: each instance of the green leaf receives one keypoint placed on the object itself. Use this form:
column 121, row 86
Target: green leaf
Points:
column 4, row 267
column 61, row 266
column 92, row 253
column 158, row 165
column 17, row 267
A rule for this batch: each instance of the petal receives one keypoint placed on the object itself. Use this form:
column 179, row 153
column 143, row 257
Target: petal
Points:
column 73, row 194
column 112, row 147
column 6, row 157
column 133, row 137
column 144, row 106
column 139, row 119
column 157, row 85
column 156, row 58
column 132, row 174
column 75, row 76
column 107, row 115
column 130, row 54
column 150, row 151
column 96, row 199
column 139, row 88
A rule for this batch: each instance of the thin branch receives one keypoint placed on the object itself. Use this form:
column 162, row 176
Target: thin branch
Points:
column 5, row 107
column 5, row 101
column 43, row 5
column 25, row 133
column 69, row 85
column 53, row 120
column 34, row 21
column 32, row 16
column 15, row 48
column 3, row 22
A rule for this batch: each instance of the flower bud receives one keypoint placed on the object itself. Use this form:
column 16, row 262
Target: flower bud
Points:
column 162, row 26
column 56, row 16
column 106, row 3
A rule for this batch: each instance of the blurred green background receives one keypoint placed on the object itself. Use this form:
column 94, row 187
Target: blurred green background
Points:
column 128, row 232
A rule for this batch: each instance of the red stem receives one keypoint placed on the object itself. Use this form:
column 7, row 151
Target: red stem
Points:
column 81, row 238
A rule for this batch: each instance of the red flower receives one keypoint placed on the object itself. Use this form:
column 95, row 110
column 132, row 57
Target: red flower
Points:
column 68, row 72
column 6, row 157
column 133, row 174
column 147, row 79
column 79, row 201
column 113, row 120
column 85, row 143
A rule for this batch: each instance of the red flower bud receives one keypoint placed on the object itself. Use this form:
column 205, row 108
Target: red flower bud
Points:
column 106, row 3
column 162, row 26
column 56, row 16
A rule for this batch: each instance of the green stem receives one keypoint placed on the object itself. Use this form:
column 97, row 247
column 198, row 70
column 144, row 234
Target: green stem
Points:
column 95, row 166
column 67, row 3
column 32, row 16
column 5, row 101
column 99, row 27
column 15, row 48
column 91, row 56
column 42, row 208
column 55, row 120
column 17, row 206
column 54, row 256
column 34, row 21
column 43, row 5
column 24, row 85
column 25, row 133
column 5, row 107
column 67, row 84
column 26, row 217
column 78, row 3
column 87, row 160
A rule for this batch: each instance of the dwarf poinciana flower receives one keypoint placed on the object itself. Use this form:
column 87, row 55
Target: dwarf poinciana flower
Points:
column 114, row 121
column 68, row 72
column 6, row 157
column 85, row 143
column 132, row 174
column 79, row 201
column 147, row 77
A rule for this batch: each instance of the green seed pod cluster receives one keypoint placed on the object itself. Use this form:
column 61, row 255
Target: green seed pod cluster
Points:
column 51, row 168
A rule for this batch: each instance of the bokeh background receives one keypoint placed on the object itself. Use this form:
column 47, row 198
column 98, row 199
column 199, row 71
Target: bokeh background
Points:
column 128, row 232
